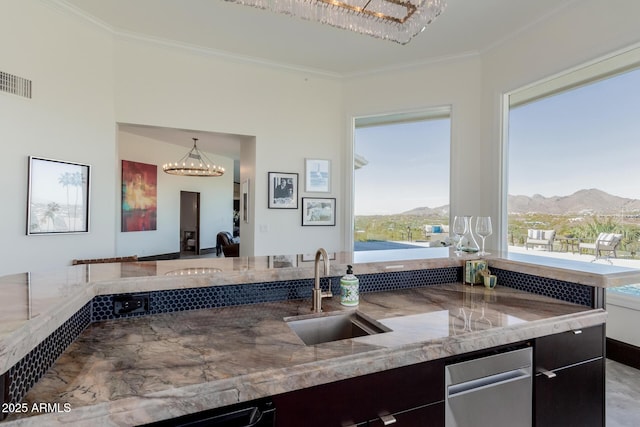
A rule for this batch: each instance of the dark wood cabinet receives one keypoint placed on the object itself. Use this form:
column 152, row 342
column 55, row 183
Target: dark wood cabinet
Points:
column 568, row 390
column 406, row 393
column 425, row 416
column 569, row 382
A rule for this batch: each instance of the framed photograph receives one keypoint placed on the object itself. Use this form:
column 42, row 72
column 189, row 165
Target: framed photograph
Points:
column 58, row 197
column 318, row 211
column 312, row 257
column 283, row 261
column 317, row 175
column 139, row 196
column 245, row 201
column 283, row 190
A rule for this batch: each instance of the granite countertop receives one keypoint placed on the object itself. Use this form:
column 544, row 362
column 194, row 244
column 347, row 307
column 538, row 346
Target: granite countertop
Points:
column 41, row 302
column 138, row 370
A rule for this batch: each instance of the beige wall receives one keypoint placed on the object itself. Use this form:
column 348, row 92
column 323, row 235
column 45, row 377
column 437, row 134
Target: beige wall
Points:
column 86, row 80
column 454, row 83
column 70, row 117
column 584, row 31
column 292, row 116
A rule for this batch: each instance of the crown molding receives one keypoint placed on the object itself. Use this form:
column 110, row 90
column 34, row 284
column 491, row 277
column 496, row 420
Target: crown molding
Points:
column 74, row 11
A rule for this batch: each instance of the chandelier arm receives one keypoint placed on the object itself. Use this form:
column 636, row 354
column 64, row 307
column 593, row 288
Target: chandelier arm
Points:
column 184, row 167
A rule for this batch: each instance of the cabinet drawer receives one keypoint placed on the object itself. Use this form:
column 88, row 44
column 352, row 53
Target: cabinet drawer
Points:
column 425, row 416
column 363, row 398
column 573, row 398
column 567, row 348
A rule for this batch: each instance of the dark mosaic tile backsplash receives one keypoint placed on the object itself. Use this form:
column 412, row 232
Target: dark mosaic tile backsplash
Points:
column 30, row 369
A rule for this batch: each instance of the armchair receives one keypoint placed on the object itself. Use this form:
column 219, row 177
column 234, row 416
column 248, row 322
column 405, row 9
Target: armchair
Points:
column 226, row 244
column 606, row 242
column 540, row 238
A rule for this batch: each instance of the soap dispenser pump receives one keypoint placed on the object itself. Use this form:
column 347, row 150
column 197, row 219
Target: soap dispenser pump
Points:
column 349, row 289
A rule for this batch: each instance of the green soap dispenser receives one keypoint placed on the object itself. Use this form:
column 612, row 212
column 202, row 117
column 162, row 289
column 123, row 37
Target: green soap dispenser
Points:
column 349, row 289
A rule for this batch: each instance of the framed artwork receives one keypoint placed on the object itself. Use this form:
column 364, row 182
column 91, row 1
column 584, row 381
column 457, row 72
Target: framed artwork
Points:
column 283, row 190
column 317, row 175
column 317, row 211
column 283, row 261
column 245, row 201
column 58, row 197
column 312, row 257
column 139, row 196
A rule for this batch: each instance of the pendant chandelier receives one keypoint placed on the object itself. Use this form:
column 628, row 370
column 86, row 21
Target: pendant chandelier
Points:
column 194, row 163
column 395, row 20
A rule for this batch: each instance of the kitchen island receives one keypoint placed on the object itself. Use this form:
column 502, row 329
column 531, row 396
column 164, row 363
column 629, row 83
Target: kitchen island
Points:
column 136, row 370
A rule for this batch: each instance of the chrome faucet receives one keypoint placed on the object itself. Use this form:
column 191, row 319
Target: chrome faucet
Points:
column 317, row 293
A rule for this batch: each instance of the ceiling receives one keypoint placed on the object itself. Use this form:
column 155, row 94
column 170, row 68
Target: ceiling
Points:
column 465, row 27
column 218, row 27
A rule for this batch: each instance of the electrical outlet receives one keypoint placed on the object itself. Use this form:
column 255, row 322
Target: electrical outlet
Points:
column 130, row 304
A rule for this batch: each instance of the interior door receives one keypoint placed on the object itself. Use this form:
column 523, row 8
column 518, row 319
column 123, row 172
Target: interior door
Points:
column 190, row 222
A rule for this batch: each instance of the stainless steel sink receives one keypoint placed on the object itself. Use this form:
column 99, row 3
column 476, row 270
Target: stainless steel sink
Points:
column 334, row 326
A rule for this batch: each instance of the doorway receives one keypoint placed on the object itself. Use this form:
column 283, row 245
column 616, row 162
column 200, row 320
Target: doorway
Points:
column 189, row 223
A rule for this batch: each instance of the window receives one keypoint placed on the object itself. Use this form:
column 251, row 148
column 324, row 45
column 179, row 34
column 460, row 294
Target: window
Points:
column 401, row 180
column 573, row 145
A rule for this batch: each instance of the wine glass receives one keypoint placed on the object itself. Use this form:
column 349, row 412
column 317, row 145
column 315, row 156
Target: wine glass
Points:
column 484, row 230
column 460, row 225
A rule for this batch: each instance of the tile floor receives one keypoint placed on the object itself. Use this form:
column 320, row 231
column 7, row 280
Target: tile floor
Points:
column 622, row 395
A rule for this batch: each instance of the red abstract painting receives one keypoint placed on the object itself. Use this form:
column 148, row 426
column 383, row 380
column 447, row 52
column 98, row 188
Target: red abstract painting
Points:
column 139, row 196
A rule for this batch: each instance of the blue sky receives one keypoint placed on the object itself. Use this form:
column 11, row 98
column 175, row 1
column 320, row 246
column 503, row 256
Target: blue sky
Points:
column 413, row 173
column 588, row 137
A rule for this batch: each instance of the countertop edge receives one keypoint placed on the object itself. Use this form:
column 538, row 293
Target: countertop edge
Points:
column 181, row 401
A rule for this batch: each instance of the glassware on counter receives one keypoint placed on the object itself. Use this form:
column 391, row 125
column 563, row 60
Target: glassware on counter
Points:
column 484, row 230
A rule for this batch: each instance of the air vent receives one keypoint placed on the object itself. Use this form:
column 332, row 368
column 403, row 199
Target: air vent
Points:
column 15, row 85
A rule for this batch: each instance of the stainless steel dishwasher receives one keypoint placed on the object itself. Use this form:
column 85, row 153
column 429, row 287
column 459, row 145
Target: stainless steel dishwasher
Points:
column 493, row 391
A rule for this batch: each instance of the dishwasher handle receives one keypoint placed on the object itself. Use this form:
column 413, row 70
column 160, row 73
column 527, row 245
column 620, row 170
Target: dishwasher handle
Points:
column 485, row 382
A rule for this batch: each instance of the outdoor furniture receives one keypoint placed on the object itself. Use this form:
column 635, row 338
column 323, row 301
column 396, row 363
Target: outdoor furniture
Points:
column 606, row 242
column 436, row 231
column 568, row 242
column 540, row 238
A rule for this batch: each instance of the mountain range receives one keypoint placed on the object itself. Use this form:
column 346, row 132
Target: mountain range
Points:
column 582, row 202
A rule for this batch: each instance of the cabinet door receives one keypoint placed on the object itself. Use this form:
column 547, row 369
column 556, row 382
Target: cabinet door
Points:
column 425, row 416
column 574, row 397
column 359, row 399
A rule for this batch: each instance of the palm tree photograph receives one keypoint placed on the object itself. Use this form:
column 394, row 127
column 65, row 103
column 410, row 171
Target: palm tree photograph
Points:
column 58, row 197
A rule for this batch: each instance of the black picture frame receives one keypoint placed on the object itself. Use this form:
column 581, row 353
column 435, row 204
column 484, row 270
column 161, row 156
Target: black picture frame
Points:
column 318, row 211
column 283, row 190
column 58, row 197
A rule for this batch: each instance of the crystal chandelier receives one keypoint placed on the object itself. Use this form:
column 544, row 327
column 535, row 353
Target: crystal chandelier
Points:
column 194, row 163
column 395, row 20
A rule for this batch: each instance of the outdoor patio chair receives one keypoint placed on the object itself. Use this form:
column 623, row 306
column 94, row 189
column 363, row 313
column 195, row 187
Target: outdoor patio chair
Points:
column 605, row 243
column 540, row 238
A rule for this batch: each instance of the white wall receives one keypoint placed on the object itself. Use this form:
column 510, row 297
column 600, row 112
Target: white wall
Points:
column 70, row 117
column 292, row 116
column 584, row 31
column 248, row 176
column 454, row 83
column 474, row 87
column 216, row 199
column 85, row 81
